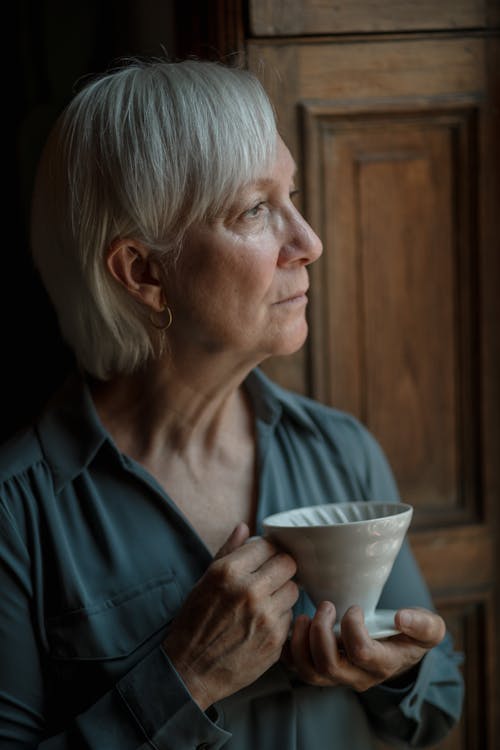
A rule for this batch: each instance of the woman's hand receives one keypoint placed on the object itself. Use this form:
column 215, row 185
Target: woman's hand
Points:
column 356, row 660
column 234, row 623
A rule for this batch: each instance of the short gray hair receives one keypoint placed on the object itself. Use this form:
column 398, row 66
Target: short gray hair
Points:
column 144, row 151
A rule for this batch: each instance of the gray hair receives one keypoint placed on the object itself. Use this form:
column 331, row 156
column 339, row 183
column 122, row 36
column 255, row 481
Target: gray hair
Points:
column 144, row 151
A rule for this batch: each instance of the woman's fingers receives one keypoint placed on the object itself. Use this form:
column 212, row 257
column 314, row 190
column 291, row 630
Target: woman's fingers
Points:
column 238, row 536
column 239, row 559
column 360, row 648
column 313, row 646
column 299, row 651
column 322, row 641
column 274, row 573
column 385, row 659
column 426, row 628
column 377, row 659
column 329, row 656
column 285, row 597
column 257, row 568
column 316, row 654
column 233, row 624
column 357, row 660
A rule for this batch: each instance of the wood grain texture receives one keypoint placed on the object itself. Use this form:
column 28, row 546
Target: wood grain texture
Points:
column 293, row 17
column 392, row 111
column 399, row 164
column 396, row 293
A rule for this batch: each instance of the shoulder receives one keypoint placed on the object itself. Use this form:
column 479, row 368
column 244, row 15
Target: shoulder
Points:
column 343, row 428
column 345, row 432
column 358, row 449
column 23, row 474
column 340, row 427
column 19, row 454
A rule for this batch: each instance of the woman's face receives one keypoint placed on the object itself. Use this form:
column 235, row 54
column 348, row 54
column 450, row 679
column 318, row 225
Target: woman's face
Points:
column 241, row 280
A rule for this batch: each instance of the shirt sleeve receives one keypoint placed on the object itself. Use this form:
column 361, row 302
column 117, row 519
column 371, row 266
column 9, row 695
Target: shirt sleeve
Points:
column 149, row 707
column 425, row 710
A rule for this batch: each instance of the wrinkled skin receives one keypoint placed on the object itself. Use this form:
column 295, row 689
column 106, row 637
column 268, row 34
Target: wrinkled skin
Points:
column 236, row 621
column 356, row 660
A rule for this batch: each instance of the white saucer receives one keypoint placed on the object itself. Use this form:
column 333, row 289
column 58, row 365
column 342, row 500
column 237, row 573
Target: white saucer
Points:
column 380, row 624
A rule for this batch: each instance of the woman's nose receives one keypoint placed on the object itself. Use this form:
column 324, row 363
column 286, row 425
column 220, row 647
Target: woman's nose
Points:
column 302, row 244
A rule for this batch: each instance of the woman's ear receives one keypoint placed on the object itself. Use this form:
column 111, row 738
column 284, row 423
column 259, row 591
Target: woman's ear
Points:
column 131, row 263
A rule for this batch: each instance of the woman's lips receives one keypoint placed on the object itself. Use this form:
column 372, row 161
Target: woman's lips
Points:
column 296, row 298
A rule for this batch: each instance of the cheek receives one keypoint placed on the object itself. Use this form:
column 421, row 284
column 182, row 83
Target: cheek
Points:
column 230, row 275
column 257, row 268
column 246, row 279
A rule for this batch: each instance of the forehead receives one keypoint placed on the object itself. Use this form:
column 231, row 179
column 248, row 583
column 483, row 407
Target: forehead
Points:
column 283, row 167
column 279, row 174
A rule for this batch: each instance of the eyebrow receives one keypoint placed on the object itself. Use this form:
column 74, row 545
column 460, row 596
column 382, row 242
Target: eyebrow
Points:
column 264, row 181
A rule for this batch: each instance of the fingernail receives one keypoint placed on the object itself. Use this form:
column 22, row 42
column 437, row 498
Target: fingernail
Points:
column 406, row 619
column 327, row 607
column 252, row 539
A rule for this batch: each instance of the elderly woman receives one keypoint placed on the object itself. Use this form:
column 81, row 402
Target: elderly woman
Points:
column 135, row 610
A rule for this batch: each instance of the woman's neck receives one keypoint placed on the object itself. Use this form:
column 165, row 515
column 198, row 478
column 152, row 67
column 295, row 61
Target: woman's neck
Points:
column 179, row 409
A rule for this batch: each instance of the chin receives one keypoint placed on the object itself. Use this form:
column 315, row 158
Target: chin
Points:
column 291, row 343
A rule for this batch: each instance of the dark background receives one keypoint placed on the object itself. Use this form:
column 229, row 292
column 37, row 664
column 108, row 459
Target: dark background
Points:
column 56, row 44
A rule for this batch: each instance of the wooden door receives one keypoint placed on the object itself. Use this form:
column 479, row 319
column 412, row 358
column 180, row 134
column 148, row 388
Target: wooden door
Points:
column 396, row 137
column 392, row 110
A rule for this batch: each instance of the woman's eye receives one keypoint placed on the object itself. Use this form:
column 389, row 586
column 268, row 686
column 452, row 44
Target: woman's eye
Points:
column 256, row 210
column 293, row 195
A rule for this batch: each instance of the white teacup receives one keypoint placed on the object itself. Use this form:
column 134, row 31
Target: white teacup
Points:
column 344, row 551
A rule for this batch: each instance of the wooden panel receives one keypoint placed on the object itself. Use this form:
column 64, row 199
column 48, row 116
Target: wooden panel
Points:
column 459, row 565
column 467, row 551
column 467, row 621
column 383, row 70
column 405, row 361
column 399, row 165
column 396, row 289
column 490, row 337
column 489, row 215
column 291, row 17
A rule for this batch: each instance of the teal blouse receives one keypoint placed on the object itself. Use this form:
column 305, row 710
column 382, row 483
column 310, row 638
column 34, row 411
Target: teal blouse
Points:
column 96, row 559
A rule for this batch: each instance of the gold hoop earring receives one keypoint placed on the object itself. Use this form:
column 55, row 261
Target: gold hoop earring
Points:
column 164, row 324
